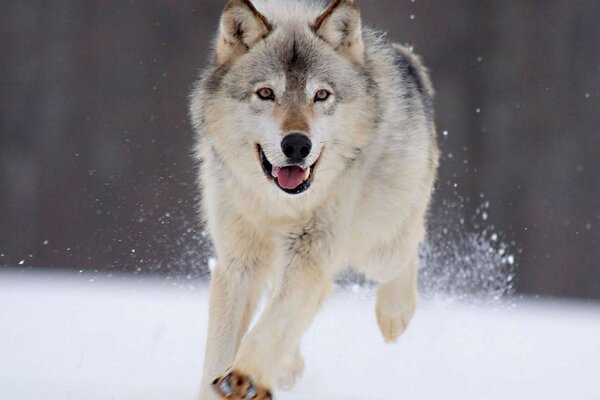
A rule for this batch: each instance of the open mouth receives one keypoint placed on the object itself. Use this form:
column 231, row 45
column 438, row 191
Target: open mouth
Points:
column 292, row 179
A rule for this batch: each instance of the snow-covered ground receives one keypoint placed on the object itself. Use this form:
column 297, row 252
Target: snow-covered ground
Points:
column 84, row 338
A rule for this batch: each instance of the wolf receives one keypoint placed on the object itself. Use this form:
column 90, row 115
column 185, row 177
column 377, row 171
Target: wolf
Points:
column 317, row 150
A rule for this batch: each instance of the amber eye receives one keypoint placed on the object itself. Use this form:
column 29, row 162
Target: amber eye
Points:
column 322, row 95
column 265, row 94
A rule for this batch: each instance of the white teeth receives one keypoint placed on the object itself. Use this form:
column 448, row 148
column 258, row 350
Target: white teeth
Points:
column 306, row 174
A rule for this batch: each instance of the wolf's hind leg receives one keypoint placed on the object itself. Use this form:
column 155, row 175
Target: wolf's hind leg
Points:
column 396, row 300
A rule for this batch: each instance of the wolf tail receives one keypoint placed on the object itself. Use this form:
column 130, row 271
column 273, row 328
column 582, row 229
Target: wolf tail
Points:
column 416, row 65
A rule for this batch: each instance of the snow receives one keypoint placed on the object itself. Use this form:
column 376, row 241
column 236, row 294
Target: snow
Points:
column 64, row 337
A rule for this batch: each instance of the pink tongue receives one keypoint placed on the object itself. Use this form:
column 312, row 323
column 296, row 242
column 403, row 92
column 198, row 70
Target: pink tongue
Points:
column 290, row 177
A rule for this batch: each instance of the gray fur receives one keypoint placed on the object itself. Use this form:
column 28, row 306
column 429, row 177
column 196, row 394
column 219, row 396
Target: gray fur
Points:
column 373, row 162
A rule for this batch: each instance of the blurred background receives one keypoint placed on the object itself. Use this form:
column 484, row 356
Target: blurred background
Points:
column 95, row 142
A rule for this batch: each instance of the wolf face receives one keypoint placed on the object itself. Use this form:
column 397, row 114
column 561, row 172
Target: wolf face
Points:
column 287, row 104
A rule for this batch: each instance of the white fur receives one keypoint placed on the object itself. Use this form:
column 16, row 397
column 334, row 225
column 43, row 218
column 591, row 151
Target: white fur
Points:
column 369, row 213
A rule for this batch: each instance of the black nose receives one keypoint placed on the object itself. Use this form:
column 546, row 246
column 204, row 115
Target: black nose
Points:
column 296, row 146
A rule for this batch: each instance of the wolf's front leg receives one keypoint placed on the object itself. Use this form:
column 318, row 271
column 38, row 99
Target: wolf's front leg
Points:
column 291, row 308
column 234, row 292
column 397, row 299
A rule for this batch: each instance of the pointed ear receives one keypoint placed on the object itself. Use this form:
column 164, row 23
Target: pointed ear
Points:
column 340, row 26
column 242, row 26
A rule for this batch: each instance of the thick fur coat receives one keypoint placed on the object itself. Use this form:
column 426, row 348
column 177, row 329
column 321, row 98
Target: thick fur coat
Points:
column 352, row 188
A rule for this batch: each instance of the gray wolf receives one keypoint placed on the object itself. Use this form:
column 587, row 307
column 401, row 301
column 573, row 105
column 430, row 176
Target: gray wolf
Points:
column 317, row 150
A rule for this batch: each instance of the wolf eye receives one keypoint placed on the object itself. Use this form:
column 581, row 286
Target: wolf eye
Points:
column 322, row 95
column 265, row 94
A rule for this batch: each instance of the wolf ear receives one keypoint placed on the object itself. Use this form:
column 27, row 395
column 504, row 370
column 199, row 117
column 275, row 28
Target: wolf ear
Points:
column 340, row 27
column 242, row 26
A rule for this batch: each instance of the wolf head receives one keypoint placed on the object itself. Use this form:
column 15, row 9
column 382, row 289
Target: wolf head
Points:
column 287, row 104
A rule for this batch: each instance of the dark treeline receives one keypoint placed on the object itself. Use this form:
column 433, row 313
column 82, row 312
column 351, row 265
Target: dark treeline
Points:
column 95, row 166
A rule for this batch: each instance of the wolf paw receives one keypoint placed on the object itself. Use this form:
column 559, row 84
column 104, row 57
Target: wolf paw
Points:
column 393, row 315
column 238, row 386
column 291, row 372
column 392, row 326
